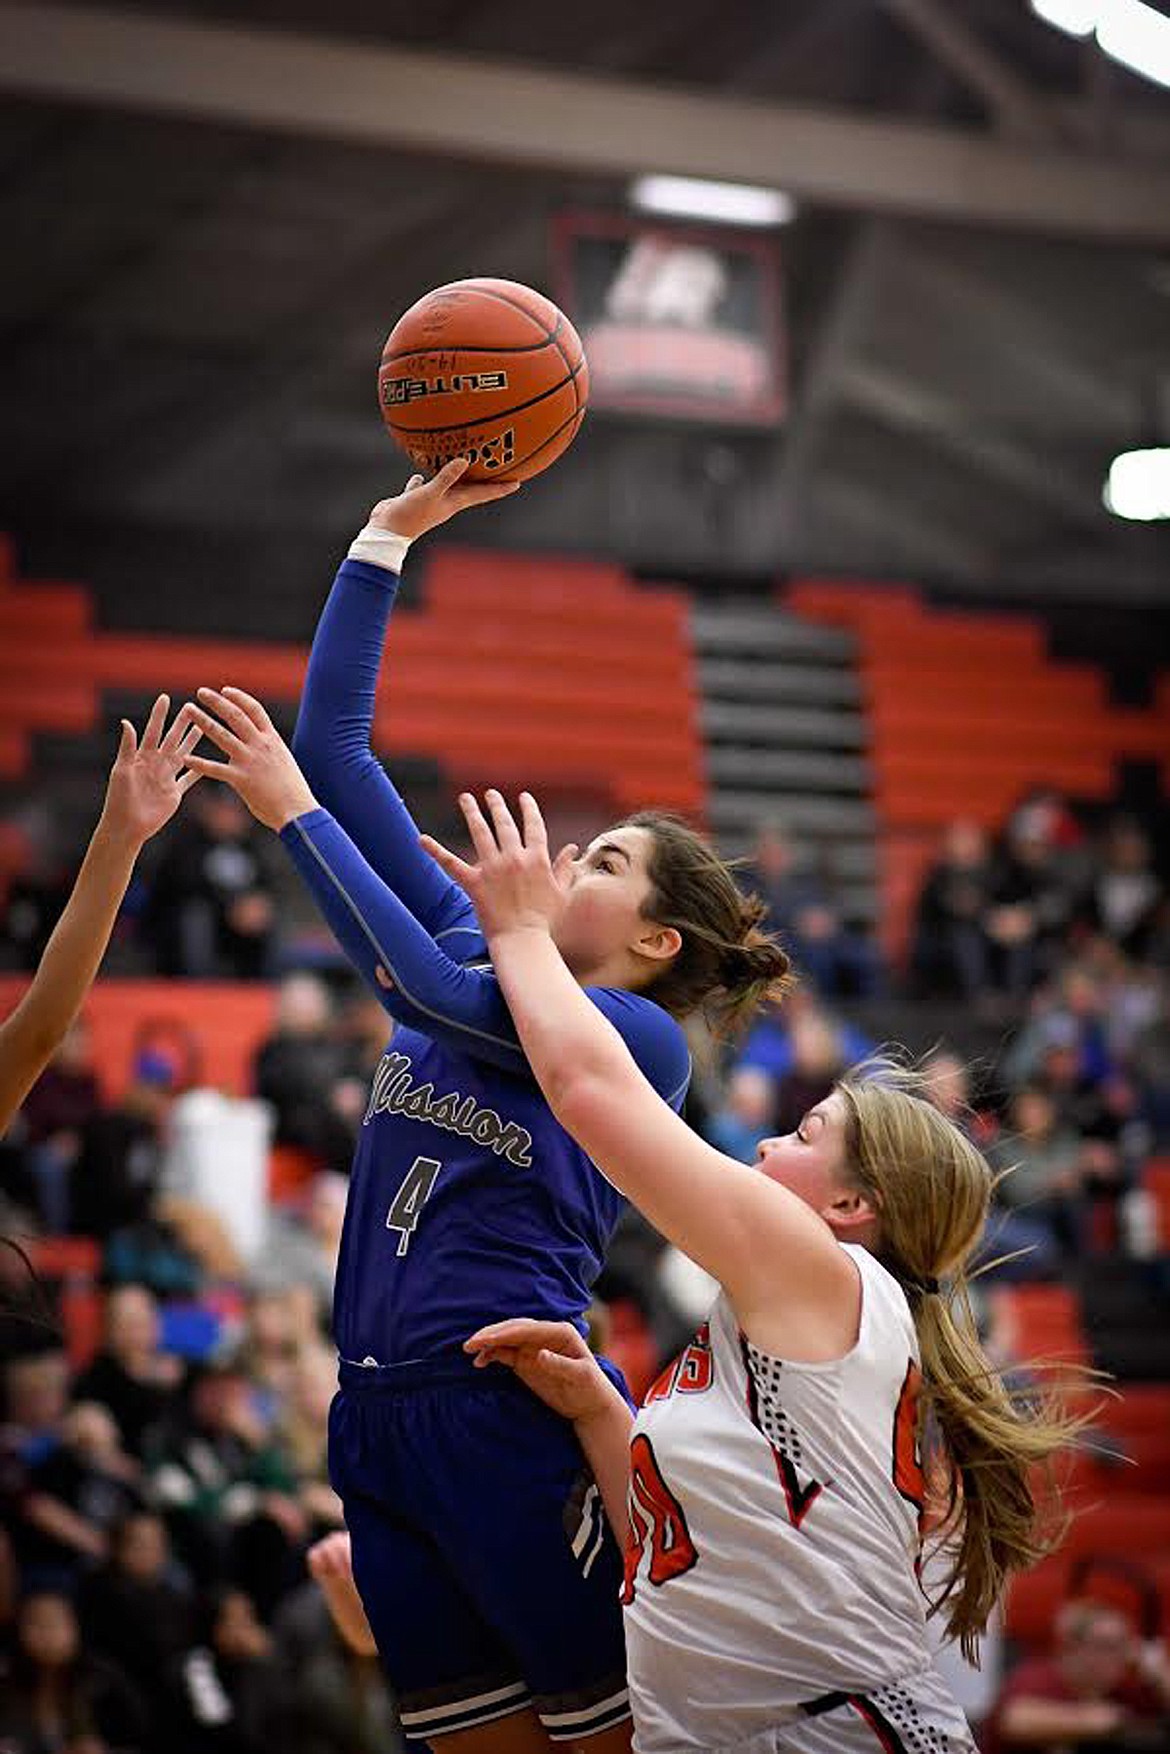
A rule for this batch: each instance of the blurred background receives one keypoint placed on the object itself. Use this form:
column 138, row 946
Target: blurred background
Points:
column 861, row 561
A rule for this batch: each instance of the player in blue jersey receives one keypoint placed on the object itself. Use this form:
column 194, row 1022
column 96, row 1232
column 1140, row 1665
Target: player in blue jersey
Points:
column 480, row 1550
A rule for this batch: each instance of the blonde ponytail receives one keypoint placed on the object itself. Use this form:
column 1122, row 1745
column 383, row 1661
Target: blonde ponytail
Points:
column 983, row 1441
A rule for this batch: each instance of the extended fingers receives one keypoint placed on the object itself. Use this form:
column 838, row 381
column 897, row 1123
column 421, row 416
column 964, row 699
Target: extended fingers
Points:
column 450, row 862
column 156, row 721
column 192, row 736
column 254, row 709
column 230, row 711
column 522, row 1331
column 202, row 766
column 212, row 729
column 484, row 492
column 450, row 472
column 507, row 834
column 535, row 834
column 482, row 838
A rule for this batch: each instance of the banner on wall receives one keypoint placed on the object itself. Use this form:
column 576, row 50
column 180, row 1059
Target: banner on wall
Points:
column 677, row 320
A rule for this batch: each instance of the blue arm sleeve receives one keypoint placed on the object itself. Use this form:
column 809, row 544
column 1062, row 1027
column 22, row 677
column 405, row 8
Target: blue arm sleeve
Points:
column 332, row 744
column 461, row 1007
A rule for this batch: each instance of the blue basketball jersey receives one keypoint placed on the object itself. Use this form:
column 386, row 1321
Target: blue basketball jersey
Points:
column 468, row 1202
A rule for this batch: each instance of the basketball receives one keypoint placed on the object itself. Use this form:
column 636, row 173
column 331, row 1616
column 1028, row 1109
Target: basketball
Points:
column 487, row 369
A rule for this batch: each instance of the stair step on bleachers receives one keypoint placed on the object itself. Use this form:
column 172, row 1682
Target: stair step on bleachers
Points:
column 802, row 815
column 778, row 684
column 773, row 769
column 766, row 633
column 793, row 726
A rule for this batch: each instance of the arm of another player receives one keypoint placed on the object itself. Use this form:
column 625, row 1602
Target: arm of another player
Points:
column 330, row 1563
column 553, row 1360
column 332, row 737
column 424, row 988
column 766, row 1247
column 145, row 788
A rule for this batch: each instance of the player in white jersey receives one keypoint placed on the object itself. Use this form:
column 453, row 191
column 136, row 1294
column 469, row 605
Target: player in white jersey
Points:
column 772, row 1489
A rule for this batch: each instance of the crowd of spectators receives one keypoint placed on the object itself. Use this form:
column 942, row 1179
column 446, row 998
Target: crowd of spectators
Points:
column 160, row 1503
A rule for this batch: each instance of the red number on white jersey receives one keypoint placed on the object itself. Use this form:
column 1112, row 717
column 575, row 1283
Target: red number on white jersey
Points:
column 690, row 1373
column 656, row 1517
column 909, row 1477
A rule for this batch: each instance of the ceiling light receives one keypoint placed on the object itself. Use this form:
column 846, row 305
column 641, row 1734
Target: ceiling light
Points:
column 1139, row 485
column 1137, row 36
column 722, row 203
column 1078, row 17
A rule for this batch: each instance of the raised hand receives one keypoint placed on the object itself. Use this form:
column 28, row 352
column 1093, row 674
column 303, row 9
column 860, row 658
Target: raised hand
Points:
column 147, row 782
column 514, row 885
column 260, row 766
column 552, row 1360
column 422, row 504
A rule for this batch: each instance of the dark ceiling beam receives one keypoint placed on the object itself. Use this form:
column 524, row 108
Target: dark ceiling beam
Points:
column 1016, row 109
column 469, row 108
column 915, row 408
column 840, row 334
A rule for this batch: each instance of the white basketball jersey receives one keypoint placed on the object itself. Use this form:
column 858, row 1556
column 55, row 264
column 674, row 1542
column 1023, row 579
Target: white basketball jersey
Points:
column 774, row 1512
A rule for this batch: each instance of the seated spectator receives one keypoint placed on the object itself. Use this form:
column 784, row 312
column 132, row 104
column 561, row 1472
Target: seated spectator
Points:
column 74, row 1497
column 1125, row 893
column 1069, row 1014
column 818, row 1060
column 269, row 1354
column 227, row 1687
column 951, row 951
column 1032, row 903
column 226, row 1489
column 35, row 896
column 1149, row 1062
column 115, row 1176
column 748, row 1114
column 1042, row 1159
column 131, row 1375
column 300, row 1069
column 211, row 911
column 769, row 1042
column 301, row 1247
column 61, row 1104
column 56, row 1696
column 949, row 1088
column 837, row 960
column 302, row 1432
column 36, row 1388
column 336, row 1699
column 1098, row 1688
column 135, row 1612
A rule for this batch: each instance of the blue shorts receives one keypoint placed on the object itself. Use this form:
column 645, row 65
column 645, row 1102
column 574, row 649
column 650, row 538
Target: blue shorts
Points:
column 481, row 1551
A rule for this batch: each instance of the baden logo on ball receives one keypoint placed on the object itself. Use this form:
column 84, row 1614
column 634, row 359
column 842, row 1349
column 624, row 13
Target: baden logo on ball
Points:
column 485, row 369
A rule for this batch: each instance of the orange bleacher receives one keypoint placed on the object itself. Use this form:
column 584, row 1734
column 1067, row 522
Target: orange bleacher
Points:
column 966, row 712
column 566, row 673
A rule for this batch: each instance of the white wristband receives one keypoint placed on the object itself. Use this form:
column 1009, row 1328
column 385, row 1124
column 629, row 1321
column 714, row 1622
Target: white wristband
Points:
column 379, row 547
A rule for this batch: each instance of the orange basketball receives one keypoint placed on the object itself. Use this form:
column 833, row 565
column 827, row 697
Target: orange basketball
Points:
column 487, row 369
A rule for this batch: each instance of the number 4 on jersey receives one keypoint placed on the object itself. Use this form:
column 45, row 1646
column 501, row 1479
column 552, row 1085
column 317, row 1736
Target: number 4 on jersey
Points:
column 407, row 1204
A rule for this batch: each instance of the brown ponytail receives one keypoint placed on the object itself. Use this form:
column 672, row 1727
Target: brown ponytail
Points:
column 931, row 1189
column 728, row 965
